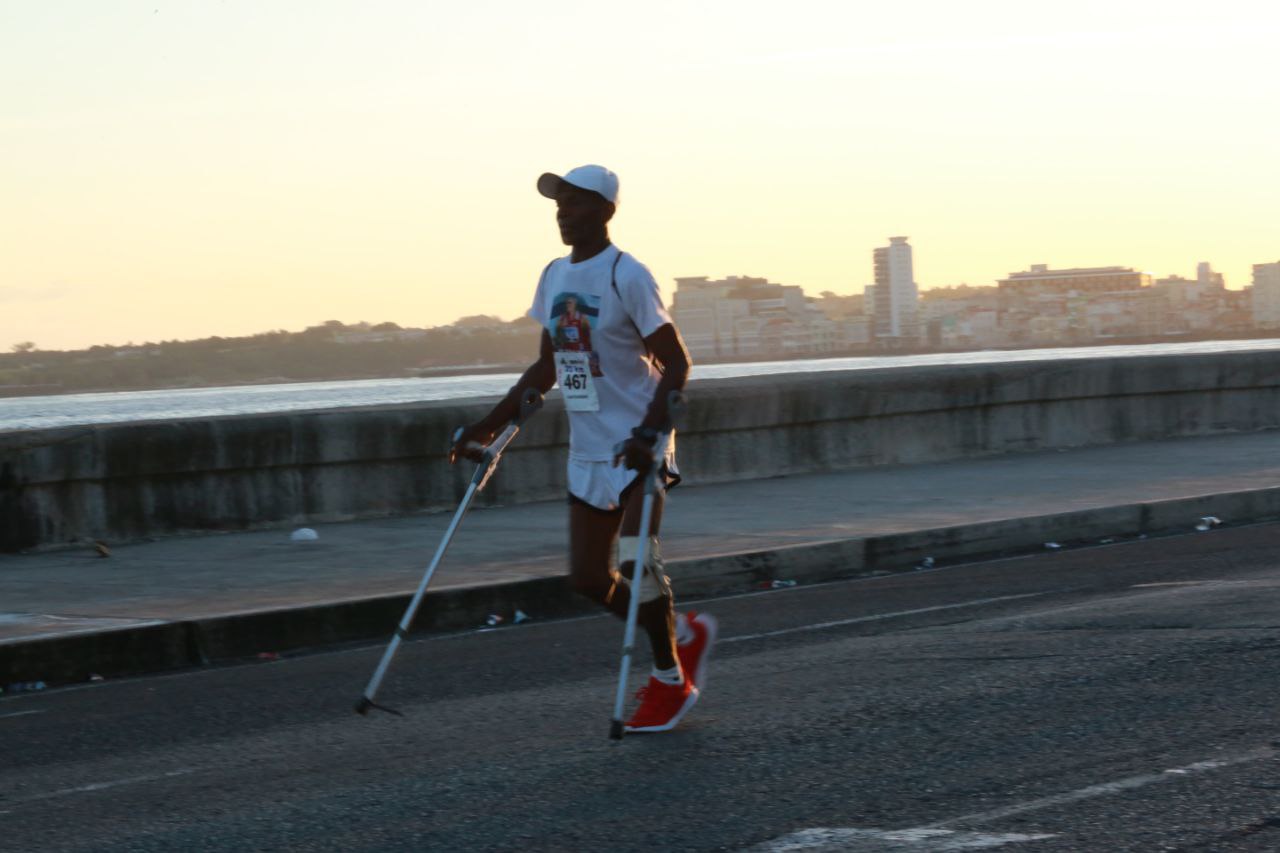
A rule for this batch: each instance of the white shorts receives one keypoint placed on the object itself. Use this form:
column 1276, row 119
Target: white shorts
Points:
column 601, row 485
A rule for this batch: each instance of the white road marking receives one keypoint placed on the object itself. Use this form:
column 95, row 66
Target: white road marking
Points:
column 1262, row 582
column 19, row 714
column 819, row 626
column 1122, row 598
column 938, row 837
column 1107, row 788
column 883, row 840
column 100, row 786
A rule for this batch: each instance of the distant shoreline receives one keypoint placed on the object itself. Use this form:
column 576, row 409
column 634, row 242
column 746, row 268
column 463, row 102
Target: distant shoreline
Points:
column 419, row 373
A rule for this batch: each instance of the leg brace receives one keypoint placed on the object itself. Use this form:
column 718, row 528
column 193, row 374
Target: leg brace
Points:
column 656, row 583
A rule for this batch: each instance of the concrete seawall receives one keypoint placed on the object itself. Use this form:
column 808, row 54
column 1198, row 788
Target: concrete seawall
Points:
column 124, row 482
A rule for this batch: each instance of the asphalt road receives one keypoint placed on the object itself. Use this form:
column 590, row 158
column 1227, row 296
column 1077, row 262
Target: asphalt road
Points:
column 1115, row 698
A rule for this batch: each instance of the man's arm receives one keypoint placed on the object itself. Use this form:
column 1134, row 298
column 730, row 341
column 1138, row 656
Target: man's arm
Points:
column 669, row 350
column 540, row 375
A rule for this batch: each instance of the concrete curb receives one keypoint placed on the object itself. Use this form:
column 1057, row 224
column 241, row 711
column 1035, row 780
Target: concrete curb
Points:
column 201, row 642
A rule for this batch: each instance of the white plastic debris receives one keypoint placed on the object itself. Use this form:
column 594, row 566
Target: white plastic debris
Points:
column 1052, row 546
column 1208, row 523
column 304, row 534
column 520, row 616
column 494, row 620
column 926, row 563
column 26, row 687
column 1106, row 541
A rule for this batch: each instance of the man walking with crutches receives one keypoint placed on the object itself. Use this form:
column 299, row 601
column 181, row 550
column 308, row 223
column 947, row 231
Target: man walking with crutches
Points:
column 609, row 342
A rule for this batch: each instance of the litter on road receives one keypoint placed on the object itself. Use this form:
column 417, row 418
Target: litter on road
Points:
column 24, row 687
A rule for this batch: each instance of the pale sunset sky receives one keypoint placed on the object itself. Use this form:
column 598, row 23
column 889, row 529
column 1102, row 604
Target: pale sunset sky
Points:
column 185, row 169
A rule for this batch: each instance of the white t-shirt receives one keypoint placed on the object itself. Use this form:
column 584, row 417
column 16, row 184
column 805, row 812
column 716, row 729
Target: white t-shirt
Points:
column 594, row 330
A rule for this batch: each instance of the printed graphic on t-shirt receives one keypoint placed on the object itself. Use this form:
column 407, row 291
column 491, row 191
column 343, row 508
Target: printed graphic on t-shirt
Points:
column 572, row 317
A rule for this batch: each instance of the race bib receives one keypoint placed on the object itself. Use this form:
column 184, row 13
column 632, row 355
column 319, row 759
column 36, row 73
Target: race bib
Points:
column 573, row 372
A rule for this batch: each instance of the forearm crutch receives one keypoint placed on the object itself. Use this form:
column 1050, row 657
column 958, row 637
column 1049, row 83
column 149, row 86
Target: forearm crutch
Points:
column 529, row 405
column 675, row 408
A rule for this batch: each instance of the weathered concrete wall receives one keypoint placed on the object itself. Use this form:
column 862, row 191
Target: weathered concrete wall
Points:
column 120, row 482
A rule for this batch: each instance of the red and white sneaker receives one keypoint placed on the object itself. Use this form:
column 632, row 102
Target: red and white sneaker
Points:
column 694, row 653
column 662, row 705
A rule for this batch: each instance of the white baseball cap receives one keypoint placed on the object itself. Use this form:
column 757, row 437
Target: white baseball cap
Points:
column 597, row 179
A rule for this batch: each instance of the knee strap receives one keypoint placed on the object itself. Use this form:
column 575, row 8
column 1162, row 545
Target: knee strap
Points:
column 657, row 584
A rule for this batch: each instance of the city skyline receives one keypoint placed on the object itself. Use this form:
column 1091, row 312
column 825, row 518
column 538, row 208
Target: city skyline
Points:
column 182, row 170
column 751, row 317
column 673, row 288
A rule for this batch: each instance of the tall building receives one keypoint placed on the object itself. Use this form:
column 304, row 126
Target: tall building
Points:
column 1207, row 277
column 1266, row 295
column 895, row 300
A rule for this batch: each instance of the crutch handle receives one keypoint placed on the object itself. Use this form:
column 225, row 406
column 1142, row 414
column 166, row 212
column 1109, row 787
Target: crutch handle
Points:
column 530, row 403
column 499, row 444
column 677, row 407
column 470, row 445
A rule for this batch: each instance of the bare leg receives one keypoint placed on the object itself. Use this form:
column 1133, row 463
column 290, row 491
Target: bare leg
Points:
column 593, row 534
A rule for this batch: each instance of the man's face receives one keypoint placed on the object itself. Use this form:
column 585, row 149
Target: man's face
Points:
column 581, row 214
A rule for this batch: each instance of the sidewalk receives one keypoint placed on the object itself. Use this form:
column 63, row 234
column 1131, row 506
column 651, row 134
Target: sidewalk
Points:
column 62, row 613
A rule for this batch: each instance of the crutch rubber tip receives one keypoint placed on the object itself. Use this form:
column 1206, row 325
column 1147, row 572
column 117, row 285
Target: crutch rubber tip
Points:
column 615, row 730
column 363, row 706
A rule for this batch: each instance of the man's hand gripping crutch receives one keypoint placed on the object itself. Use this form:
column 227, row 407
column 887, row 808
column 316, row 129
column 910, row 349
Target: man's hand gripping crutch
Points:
column 652, row 479
column 487, row 457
